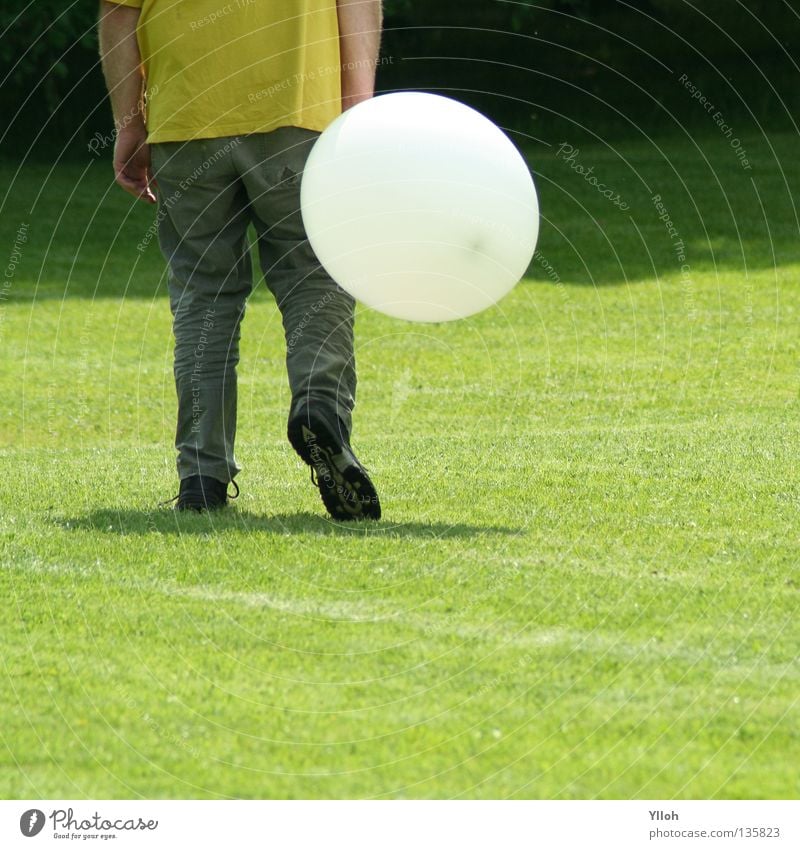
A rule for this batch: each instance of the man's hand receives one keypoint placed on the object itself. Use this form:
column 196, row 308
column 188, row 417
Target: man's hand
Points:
column 132, row 163
column 122, row 66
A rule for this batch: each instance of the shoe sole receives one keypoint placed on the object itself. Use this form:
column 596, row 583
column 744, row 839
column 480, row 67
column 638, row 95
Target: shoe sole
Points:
column 199, row 507
column 348, row 495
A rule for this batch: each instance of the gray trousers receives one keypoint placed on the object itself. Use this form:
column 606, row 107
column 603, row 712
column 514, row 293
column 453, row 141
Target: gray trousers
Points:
column 210, row 191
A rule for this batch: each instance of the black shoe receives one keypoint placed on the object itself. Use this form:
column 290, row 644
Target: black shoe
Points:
column 200, row 492
column 322, row 442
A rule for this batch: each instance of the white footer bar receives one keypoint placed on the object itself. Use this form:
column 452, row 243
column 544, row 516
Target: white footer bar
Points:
column 401, row 824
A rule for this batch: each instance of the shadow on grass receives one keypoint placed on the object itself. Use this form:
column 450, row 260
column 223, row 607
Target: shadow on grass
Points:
column 164, row 521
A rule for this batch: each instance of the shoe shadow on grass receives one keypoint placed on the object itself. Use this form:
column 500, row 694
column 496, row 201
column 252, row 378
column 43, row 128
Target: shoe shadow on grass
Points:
column 160, row 521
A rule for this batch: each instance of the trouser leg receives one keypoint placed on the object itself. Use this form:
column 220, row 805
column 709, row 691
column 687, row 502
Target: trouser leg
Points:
column 203, row 221
column 317, row 314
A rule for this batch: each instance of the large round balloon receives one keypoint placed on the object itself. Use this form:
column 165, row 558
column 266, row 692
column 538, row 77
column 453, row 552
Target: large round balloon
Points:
column 420, row 207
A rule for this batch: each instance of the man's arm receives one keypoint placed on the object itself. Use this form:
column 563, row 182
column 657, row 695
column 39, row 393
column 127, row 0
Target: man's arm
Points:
column 122, row 67
column 360, row 23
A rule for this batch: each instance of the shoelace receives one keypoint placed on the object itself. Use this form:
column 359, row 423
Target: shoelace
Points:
column 176, row 497
column 314, row 478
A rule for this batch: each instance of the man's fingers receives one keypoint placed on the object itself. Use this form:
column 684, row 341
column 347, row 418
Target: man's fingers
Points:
column 132, row 167
column 137, row 186
column 129, row 182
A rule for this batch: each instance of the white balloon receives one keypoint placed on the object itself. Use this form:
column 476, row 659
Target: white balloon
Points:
column 420, row 207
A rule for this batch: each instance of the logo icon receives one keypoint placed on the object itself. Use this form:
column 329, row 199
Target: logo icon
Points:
column 31, row 822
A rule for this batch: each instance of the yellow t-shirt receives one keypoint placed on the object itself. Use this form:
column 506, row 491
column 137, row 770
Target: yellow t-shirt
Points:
column 230, row 67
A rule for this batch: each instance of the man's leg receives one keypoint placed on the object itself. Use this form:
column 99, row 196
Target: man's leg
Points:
column 317, row 321
column 203, row 221
column 317, row 314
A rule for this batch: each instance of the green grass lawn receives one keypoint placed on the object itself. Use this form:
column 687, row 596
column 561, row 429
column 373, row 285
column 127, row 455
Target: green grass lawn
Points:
column 586, row 580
